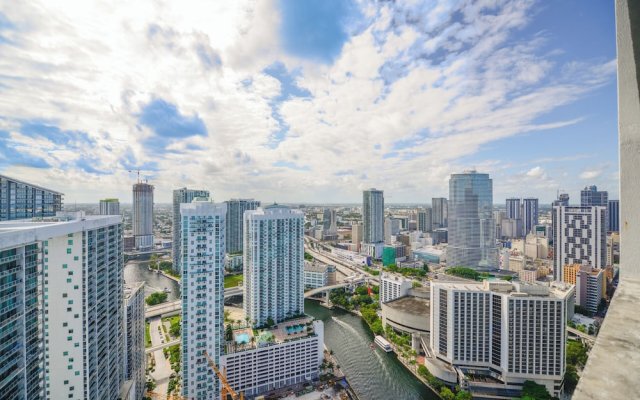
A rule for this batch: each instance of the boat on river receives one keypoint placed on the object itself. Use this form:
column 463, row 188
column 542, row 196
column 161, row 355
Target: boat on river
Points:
column 382, row 342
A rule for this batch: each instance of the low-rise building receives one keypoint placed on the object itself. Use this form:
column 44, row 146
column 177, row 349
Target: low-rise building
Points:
column 317, row 274
column 408, row 314
column 393, row 286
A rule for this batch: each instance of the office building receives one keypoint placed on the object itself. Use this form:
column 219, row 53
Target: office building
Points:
column 317, row 274
column 143, row 216
column 591, row 196
column 497, row 335
column 109, row 207
column 393, row 286
column 181, row 196
column 235, row 226
column 356, row 235
column 77, row 349
column 273, row 264
column 425, row 220
column 134, row 342
column 330, row 221
column 590, row 285
column 202, row 260
column 513, row 208
column 19, row 200
column 471, row 225
column 440, row 208
column 613, row 211
column 529, row 215
column 579, row 236
column 373, row 216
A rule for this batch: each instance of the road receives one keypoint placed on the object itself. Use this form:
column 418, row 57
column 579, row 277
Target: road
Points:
column 163, row 370
column 342, row 265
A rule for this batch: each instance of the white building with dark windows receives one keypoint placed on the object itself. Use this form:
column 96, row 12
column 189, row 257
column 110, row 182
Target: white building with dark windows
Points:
column 134, row 342
column 393, row 286
column 202, row 261
column 143, row 216
column 497, row 334
column 181, row 196
column 579, row 236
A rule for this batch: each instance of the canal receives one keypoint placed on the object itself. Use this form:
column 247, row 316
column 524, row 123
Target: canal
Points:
column 138, row 271
column 373, row 374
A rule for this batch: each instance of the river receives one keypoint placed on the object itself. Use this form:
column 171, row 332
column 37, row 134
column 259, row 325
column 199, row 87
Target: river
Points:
column 138, row 271
column 373, row 374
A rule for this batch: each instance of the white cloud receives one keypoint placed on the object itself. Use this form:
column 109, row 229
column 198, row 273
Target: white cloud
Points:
column 591, row 174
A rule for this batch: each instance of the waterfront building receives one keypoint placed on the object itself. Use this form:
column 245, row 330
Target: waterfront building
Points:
column 317, row 274
column 393, row 286
column 235, row 226
column 202, row 261
column 496, row 335
column 134, row 342
column 440, row 208
column 579, row 236
column 143, row 216
column 613, row 211
column 76, row 349
column 591, row 196
column 471, row 225
column 19, row 200
column 373, row 216
column 529, row 215
column 109, row 207
column 273, row 264
column 425, row 220
column 181, row 196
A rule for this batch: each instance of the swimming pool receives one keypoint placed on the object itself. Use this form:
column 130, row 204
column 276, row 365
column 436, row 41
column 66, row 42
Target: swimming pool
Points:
column 295, row 329
column 242, row 338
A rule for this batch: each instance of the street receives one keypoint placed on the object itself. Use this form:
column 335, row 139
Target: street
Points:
column 163, row 369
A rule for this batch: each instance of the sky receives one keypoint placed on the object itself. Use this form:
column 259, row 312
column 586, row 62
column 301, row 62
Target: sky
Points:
column 312, row 101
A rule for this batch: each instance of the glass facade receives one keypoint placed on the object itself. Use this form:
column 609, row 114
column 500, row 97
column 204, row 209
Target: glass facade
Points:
column 20, row 200
column 471, row 224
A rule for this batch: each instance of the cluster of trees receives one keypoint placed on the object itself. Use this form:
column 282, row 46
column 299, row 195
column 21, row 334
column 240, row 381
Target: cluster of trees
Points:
column 445, row 392
column 156, row 298
column 463, row 272
column 373, row 272
column 308, row 256
column 370, row 316
column 533, row 391
column 174, row 326
column 576, row 358
column 165, row 266
column 407, row 271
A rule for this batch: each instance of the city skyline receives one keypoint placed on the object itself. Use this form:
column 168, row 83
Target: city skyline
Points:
column 242, row 77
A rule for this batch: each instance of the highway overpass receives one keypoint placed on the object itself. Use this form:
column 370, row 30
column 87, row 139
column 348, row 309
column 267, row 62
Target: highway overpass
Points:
column 174, row 307
column 161, row 346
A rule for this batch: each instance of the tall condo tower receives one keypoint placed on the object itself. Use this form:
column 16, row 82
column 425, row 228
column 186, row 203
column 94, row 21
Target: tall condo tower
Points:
column 143, row 215
column 109, row 207
column 181, row 196
column 203, row 252
column 529, row 214
column 471, row 225
column 235, row 215
column 513, row 208
column 373, row 216
column 425, row 220
column 273, row 264
column 440, row 212
column 613, row 211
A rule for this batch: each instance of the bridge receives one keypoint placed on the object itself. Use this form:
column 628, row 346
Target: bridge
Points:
column 145, row 252
column 584, row 336
column 161, row 346
column 175, row 307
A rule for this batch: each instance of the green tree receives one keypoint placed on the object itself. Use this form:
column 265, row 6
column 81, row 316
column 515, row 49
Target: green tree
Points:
column 229, row 333
column 535, row 391
column 156, row 298
column 463, row 395
column 447, row 394
column 570, row 378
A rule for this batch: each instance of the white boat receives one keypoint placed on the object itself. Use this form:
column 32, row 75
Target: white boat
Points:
column 382, row 342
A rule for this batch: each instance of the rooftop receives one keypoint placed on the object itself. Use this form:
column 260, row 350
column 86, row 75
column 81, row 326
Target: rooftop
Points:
column 30, row 184
column 249, row 339
column 411, row 305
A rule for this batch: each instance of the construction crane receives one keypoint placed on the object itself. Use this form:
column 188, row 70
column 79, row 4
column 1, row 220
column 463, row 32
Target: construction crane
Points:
column 227, row 390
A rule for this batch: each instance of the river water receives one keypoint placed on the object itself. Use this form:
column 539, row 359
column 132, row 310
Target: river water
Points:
column 138, row 271
column 373, row 374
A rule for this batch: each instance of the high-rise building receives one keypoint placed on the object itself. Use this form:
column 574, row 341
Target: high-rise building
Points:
column 590, row 285
column 393, row 287
column 529, row 215
column 591, row 196
column 181, row 196
column 202, row 260
column 440, row 212
column 143, row 215
column 471, row 233
column 273, row 264
column 19, row 200
column 502, row 331
column 373, row 216
column 579, row 236
column 134, row 346
column 613, row 211
column 109, row 207
column 80, row 261
column 513, row 208
column 563, row 200
column 356, row 235
column 235, row 225
column 425, row 220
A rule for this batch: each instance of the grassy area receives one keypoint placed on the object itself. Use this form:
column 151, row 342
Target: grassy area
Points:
column 174, row 325
column 232, row 280
column 156, row 298
column 147, row 335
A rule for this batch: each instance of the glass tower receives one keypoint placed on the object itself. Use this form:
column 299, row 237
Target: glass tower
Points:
column 471, row 223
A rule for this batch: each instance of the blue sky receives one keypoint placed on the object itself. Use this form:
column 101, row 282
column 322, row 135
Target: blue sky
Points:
column 309, row 101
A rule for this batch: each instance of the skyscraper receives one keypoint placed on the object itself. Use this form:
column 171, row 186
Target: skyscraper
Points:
column 440, row 212
column 20, row 200
column 591, row 196
column 373, row 216
column 579, row 236
column 202, row 260
column 143, row 215
column 134, row 346
column 109, row 207
column 613, row 211
column 235, row 226
column 181, row 196
column 529, row 214
column 513, row 208
column 273, row 264
column 425, row 220
column 356, row 234
column 471, row 225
